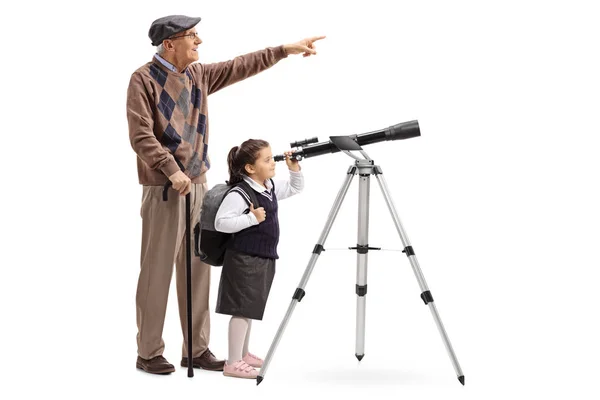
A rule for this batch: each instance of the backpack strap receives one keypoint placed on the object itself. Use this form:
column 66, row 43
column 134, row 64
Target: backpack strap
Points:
column 247, row 193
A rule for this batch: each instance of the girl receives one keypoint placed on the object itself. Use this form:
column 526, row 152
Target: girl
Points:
column 249, row 264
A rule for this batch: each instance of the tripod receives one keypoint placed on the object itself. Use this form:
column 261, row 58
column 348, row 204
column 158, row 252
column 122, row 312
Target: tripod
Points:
column 364, row 167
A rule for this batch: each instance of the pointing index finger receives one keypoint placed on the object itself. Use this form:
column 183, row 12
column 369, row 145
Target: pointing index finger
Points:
column 315, row 38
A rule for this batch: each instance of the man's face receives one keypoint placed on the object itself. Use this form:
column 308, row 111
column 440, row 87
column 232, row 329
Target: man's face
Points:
column 185, row 45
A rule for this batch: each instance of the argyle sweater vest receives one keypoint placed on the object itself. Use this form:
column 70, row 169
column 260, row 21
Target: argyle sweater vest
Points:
column 261, row 240
column 168, row 115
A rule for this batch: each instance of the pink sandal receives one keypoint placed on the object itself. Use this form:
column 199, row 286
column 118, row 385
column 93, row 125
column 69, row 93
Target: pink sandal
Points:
column 253, row 360
column 240, row 369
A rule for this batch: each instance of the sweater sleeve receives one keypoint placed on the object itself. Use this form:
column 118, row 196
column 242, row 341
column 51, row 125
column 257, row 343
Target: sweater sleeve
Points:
column 222, row 74
column 141, row 135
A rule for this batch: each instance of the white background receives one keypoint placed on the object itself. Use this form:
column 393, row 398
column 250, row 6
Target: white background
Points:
column 499, row 197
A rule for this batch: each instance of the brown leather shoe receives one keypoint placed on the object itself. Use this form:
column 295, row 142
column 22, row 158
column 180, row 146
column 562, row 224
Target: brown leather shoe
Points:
column 156, row 365
column 206, row 361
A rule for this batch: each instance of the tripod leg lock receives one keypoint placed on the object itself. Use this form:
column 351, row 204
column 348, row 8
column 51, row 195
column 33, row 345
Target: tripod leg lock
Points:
column 318, row 249
column 427, row 297
column 299, row 294
column 409, row 251
column 361, row 290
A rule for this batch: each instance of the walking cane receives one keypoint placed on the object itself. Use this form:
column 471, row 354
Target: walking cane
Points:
column 188, row 272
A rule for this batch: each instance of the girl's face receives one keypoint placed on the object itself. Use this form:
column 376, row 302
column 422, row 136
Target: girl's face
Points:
column 264, row 166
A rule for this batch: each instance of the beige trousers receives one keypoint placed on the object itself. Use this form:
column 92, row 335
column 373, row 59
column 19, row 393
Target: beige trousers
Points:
column 163, row 244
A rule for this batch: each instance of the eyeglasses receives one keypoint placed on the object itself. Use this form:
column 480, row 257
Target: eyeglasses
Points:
column 192, row 36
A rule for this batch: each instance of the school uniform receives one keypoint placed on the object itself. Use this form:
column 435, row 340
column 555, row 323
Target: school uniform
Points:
column 249, row 263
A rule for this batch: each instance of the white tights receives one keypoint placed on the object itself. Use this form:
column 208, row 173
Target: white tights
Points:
column 239, row 336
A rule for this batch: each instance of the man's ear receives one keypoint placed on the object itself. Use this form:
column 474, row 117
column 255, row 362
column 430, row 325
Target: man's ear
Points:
column 249, row 168
column 168, row 45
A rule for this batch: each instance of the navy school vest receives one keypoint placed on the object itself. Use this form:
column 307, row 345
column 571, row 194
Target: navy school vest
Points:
column 260, row 240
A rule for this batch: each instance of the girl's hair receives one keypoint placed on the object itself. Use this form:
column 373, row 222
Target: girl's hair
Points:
column 238, row 157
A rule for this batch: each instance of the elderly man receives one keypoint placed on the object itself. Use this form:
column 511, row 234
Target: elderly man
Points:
column 168, row 126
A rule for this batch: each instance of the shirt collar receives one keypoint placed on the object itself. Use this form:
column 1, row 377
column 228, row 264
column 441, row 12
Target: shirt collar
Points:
column 166, row 63
column 257, row 186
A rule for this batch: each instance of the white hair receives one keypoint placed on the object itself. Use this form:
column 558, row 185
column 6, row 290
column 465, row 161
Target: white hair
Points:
column 160, row 49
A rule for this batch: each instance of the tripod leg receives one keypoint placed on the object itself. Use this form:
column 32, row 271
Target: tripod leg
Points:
column 425, row 293
column 299, row 293
column 361, row 262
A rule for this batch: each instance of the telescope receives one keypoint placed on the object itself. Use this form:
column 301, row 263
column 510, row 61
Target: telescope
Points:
column 404, row 130
column 363, row 168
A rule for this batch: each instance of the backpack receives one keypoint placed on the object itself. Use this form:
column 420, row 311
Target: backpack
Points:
column 210, row 244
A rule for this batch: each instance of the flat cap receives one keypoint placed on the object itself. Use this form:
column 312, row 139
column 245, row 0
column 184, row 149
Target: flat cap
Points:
column 166, row 27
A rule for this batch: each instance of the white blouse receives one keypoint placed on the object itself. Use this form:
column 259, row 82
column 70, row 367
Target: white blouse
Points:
column 230, row 216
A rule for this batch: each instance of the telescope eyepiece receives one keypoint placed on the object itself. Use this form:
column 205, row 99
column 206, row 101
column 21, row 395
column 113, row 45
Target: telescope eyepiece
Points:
column 298, row 155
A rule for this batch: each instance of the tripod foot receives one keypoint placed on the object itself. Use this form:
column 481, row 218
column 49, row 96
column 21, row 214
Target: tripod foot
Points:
column 259, row 379
column 190, row 373
column 360, row 357
column 461, row 379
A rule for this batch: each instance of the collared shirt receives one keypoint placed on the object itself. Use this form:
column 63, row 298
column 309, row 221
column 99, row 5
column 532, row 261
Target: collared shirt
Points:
column 230, row 217
column 257, row 186
column 166, row 63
